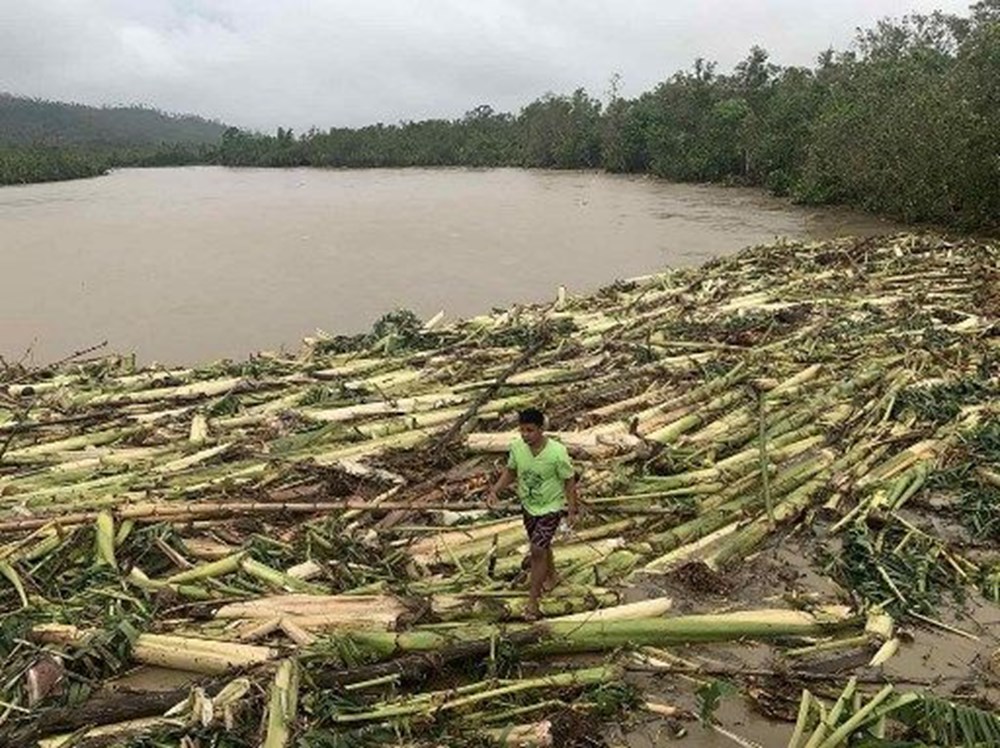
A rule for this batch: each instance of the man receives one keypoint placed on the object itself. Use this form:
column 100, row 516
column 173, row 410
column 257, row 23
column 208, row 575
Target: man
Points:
column 545, row 481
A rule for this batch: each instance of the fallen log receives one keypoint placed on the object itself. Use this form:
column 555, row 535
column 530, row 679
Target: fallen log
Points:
column 126, row 705
column 104, row 709
column 417, row 665
column 323, row 611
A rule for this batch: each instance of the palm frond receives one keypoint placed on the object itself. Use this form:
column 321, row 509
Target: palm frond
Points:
column 946, row 723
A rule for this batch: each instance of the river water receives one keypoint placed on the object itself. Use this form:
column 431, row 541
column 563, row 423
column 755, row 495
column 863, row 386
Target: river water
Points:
column 191, row 264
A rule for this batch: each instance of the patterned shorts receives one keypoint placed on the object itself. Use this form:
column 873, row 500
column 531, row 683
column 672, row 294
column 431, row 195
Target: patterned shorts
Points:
column 542, row 529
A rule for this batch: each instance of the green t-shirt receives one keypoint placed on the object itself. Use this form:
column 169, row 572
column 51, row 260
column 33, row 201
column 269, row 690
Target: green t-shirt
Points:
column 540, row 478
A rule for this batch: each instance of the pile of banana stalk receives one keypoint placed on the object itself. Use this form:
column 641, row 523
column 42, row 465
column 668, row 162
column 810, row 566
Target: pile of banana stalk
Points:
column 294, row 550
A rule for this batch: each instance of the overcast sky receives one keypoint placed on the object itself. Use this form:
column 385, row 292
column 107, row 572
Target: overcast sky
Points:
column 264, row 63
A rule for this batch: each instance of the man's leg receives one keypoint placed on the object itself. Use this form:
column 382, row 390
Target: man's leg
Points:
column 551, row 580
column 539, row 572
column 543, row 566
column 529, row 528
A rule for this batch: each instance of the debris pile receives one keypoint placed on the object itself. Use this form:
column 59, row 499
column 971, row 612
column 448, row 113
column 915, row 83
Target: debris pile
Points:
column 294, row 550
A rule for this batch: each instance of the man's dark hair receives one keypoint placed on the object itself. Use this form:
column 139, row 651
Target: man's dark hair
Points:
column 533, row 416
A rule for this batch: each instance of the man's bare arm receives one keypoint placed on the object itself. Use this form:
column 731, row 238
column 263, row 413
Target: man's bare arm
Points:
column 572, row 498
column 507, row 477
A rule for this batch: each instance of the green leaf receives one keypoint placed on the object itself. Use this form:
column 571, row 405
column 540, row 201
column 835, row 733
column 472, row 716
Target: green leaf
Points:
column 8, row 571
column 710, row 698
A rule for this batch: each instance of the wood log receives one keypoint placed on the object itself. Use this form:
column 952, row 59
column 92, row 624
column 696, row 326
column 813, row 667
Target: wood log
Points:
column 103, row 709
column 322, row 611
column 121, row 706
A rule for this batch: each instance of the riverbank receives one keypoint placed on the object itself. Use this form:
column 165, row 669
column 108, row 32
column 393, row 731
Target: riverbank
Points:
column 22, row 165
column 806, row 433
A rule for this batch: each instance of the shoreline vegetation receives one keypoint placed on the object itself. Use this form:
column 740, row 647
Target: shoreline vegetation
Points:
column 903, row 125
column 789, row 464
column 45, row 141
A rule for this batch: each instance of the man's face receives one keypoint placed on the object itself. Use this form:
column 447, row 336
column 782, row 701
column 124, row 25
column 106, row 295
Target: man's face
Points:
column 531, row 434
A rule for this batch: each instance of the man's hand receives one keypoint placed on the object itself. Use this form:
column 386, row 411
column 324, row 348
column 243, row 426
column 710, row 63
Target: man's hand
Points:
column 507, row 477
column 573, row 500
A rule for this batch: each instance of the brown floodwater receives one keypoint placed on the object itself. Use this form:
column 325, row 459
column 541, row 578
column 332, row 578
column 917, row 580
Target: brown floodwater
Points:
column 190, row 264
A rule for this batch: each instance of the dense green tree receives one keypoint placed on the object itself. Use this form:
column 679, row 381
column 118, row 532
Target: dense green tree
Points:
column 903, row 121
column 46, row 164
column 486, row 138
column 561, row 132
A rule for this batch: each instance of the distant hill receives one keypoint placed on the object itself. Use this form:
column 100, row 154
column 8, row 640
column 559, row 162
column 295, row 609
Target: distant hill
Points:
column 26, row 121
column 42, row 141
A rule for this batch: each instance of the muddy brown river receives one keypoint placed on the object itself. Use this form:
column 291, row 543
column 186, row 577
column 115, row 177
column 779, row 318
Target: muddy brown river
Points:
column 191, row 264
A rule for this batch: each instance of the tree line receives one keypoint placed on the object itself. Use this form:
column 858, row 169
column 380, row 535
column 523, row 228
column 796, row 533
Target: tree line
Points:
column 904, row 123
column 49, row 141
column 41, row 162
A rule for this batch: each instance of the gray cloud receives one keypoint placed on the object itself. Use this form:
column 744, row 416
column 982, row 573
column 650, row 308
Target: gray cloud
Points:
column 264, row 63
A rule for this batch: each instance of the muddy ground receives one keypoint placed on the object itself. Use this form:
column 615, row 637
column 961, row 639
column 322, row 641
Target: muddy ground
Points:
column 961, row 667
